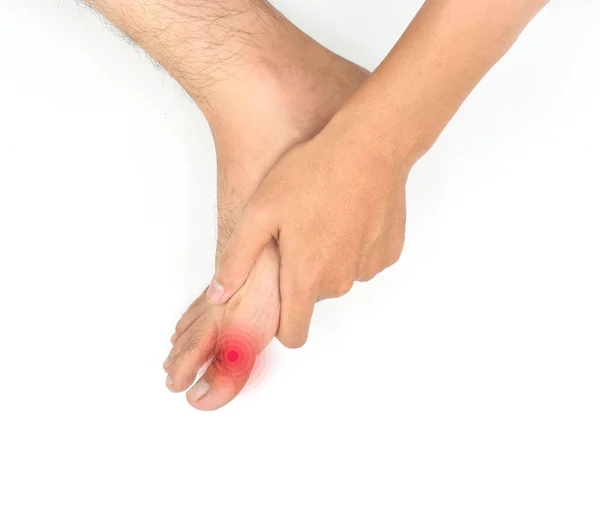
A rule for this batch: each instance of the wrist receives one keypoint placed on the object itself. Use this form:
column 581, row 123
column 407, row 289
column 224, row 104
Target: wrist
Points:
column 383, row 133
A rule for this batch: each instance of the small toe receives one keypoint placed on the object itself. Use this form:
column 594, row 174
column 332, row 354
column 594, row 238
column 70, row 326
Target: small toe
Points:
column 193, row 350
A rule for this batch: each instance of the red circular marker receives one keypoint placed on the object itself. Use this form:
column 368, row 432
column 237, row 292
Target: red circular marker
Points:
column 235, row 353
column 232, row 356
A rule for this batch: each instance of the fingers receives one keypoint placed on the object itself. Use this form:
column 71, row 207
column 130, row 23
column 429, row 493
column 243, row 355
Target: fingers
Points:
column 295, row 321
column 377, row 263
column 298, row 297
column 384, row 252
column 253, row 232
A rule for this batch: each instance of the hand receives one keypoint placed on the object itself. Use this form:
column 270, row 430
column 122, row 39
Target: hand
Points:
column 336, row 207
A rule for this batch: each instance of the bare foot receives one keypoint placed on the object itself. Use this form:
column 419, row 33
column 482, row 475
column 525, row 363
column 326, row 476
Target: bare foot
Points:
column 286, row 95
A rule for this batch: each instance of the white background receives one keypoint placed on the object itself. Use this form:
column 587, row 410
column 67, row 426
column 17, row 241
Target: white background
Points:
column 462, row 384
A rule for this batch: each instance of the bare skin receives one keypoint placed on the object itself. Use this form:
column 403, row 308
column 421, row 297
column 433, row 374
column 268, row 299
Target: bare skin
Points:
column 253, row 313
column 261, row 94
column 344, row 221
column 332, row 206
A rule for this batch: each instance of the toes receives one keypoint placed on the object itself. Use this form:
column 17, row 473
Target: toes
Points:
column 234, row 357
column 191, row 351
column 194, row 311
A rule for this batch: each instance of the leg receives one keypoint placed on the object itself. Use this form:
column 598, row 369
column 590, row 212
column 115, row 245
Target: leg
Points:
column 263, row 86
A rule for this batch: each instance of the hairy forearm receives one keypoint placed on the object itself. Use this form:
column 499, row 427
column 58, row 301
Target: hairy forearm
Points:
column 447, row 49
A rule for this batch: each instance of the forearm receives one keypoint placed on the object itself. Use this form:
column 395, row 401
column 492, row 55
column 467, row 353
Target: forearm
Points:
column 445, row 52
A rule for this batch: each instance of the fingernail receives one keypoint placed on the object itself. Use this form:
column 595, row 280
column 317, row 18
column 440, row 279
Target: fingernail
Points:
column 169, row 381
column 215, row 292
column 199, row 390
column 173, row 337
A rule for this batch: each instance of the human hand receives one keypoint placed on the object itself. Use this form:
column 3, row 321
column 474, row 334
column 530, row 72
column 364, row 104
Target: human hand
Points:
column 336, row 206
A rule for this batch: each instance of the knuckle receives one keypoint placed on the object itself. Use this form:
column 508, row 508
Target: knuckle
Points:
column 259, row 213
column 342, row 287
column 180, row 327
column 368, row 275
column 292, row 340
column 191, row 344
column 394, row 255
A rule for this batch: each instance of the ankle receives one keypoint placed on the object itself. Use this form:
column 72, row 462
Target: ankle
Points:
column 283, row 95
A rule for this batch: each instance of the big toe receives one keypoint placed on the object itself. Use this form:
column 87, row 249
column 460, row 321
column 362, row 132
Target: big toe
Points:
column 235, row 354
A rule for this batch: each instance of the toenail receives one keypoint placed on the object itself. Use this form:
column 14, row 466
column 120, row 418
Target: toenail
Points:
column 169, row 381
column 215, row 292
column 199, row 390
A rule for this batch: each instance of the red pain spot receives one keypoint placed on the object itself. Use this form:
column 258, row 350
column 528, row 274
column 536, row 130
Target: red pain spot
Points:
column 236, row 352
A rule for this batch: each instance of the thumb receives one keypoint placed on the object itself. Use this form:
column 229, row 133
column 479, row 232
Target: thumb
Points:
column 252, row 233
